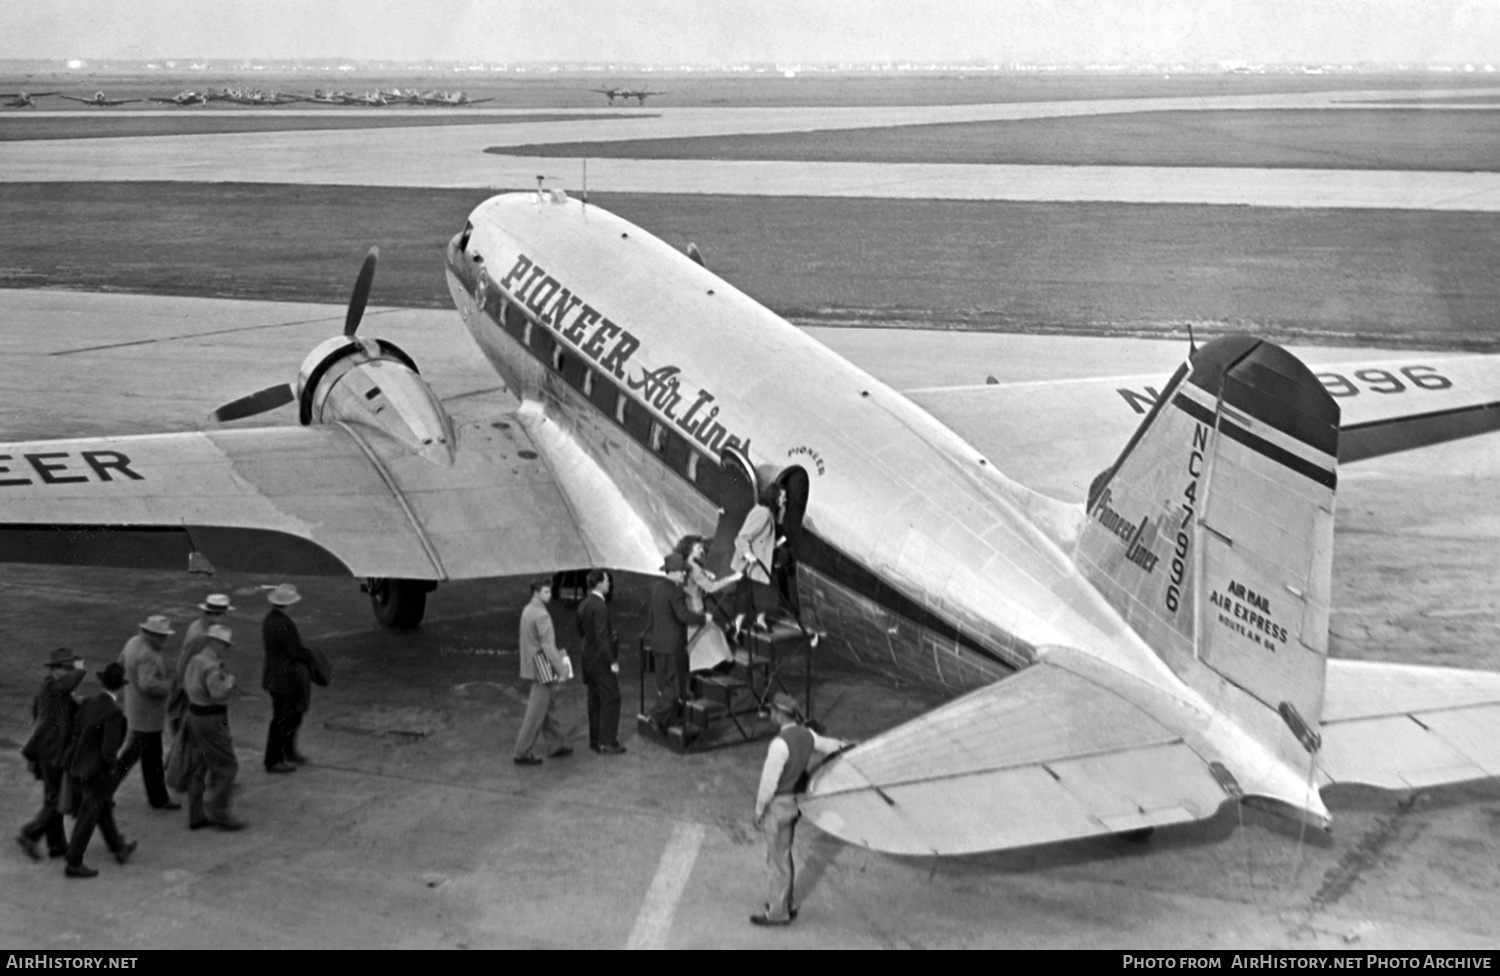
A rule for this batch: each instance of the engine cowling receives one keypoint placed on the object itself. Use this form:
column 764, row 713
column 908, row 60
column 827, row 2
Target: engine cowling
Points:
column 373, row 384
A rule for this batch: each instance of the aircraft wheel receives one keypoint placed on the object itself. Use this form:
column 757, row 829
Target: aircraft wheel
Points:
column 1138, row 836
column 398, row 603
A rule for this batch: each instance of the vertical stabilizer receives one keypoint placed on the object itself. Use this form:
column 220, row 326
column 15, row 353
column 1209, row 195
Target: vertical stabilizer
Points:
column 1213, row 532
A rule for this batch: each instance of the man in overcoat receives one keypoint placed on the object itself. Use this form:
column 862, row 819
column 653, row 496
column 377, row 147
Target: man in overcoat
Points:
column 288, row 677
column 101, row 732
column 601, row 666
column 54, row 710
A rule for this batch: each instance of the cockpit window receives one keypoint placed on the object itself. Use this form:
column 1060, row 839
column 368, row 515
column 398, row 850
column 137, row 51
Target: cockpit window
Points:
column 463, row 242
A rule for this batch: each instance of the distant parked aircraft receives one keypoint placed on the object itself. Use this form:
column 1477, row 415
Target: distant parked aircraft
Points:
column 452, row 99
column 99, row 101
column 639, row 94
column 22, row 99
column 181, row 98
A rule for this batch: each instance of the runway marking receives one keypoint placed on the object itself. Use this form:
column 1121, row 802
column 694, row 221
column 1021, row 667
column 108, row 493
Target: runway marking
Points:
column 655, row 917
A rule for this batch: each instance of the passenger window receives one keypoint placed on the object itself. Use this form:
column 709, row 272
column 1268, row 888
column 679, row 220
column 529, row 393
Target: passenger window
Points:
column 620, row 404
column 588, row 382
column 692, row 466
column 658, row 437
column 526, row 334
column 557, row 357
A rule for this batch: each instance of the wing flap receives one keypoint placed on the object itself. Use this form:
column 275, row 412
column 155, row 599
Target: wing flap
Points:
column 1407, row 727
column 1044, row 756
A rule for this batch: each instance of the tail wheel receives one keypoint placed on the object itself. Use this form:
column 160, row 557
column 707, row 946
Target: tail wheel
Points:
column 398, row 603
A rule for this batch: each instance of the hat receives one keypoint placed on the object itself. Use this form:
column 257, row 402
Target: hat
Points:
column 113, row 676
column 62, row 658
column 674, row 564
column 216, row 603
column 786, row 704
column 158, row 624
column 219, row 632
column 284, row 595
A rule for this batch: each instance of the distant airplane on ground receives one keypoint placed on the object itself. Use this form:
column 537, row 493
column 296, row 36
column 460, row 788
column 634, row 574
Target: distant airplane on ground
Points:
column 319, row 96
column 99, row 101
column 181, row 98
column 452, row 99
column 23, row 99
column 639, row 94
column 239, row 96
column 1139, row 655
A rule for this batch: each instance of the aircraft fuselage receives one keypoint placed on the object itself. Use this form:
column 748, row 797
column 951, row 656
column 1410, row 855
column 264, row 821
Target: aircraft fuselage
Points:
column 918, row 557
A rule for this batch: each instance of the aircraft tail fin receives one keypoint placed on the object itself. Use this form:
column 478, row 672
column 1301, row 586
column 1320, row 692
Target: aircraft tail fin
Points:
column 1213, row 532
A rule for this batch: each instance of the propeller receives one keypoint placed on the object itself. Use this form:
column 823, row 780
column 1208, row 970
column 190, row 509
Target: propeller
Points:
column 695, row 254
column 259, row 402
column 283, row 393
column 361, row 292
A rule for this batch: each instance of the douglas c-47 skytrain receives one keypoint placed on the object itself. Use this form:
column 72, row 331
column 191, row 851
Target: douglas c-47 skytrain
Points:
column 1125, row 582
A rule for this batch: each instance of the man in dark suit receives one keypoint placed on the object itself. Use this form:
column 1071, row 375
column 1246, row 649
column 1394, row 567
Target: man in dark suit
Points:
column 101, row 726
column 670, row 618
column 54, row 709
column 601, row 665
column 288, row 677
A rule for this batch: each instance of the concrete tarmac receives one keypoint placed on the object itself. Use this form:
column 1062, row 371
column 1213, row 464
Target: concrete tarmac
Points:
column 454, row 156
column 412, row 828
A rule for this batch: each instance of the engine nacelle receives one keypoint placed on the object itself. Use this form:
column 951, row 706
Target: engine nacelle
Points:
column 373, row 384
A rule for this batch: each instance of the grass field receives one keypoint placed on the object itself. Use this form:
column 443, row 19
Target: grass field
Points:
column 1319, row 139
column 1374, row 277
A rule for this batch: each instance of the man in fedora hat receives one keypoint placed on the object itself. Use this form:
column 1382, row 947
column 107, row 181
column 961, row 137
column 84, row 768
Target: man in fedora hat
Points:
column 101, row 732
column 671, row 615
column 210, row 749
column 784, row 776
column 54, row 710
column 538, row 638
column 288, row 677
column 214, row 607
column 147, row 683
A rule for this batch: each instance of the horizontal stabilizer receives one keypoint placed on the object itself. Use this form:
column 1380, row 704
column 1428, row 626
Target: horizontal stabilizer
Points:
column 1043, row 756
column 1055, row 436
column 1401, row 726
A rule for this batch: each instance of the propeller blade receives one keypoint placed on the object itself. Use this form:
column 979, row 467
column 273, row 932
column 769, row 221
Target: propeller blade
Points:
column 695, row 254
column 259, row 402
column 361, row 292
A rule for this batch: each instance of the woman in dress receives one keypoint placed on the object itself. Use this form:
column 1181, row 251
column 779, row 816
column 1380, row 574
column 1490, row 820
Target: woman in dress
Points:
column 754, row 554
column 707, row 646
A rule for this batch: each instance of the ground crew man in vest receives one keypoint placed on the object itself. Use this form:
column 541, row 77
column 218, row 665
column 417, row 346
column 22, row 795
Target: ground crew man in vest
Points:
column 776, row 814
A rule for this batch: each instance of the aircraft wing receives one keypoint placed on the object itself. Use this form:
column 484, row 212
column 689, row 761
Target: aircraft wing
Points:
column 1055, row 436
column 1046, row 755
column 328, row 499
column 1402, row 726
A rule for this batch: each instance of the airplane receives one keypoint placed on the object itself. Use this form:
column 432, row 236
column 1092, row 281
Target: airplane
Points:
column 23, row 99
column 99, row 101
column 1126, row 581
column 625, row 94
column 241, row 97
column 181, row 99
column 452, row 99
column 319, row 95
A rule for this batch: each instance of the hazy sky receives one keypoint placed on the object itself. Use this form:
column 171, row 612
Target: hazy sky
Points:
column 715, row 32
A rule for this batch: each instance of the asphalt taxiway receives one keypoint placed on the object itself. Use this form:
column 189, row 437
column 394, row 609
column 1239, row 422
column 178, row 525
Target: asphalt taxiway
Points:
column 454, row 156
column 413, row 829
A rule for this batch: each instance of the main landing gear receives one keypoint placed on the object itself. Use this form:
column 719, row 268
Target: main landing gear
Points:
column 398, row 603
